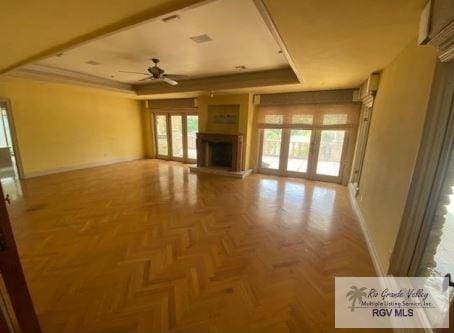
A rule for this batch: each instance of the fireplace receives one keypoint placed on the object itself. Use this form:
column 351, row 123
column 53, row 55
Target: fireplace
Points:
column 219, row 154
column 223, row 151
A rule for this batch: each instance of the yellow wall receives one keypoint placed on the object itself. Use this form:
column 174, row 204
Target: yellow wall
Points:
column 245, row 120
column 148, row 132
column 395, row 134
column 61, row 127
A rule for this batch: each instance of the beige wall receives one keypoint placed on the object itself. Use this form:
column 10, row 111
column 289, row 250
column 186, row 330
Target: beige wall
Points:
column 60, row 127
column 395, row 133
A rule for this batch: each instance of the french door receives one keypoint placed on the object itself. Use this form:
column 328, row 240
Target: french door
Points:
column 312, row 153
column 175, row 136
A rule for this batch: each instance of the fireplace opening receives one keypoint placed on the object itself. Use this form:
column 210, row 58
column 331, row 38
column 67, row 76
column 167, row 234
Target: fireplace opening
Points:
column 219, row 154
column 220, row 151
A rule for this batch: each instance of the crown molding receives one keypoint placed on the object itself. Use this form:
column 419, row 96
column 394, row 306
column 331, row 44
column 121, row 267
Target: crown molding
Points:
column 52, row 74
column 266, row 16
column 233, row 81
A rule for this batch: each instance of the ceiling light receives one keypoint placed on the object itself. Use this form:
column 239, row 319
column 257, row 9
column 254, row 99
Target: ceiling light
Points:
column 170, row 18
column 240, row 67
column 59, row 54
column 201, row 38
column 93, row 63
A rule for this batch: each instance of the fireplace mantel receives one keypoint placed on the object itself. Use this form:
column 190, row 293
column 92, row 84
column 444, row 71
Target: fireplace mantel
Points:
column 236, row 140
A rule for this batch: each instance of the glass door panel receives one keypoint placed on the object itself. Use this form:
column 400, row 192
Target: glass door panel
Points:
column 176, row 122
column 330, row 152
column 298, row 150
column 161, row 135
column 438, row 258
column 192, row 126
column 271, row 148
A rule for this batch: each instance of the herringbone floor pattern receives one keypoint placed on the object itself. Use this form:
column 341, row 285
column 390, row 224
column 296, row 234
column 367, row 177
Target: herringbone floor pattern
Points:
column 147, row 247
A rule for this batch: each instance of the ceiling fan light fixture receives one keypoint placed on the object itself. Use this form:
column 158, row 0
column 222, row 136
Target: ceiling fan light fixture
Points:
column 201, row 38
column 170, row 81
column 170, row 18
column 158, row 74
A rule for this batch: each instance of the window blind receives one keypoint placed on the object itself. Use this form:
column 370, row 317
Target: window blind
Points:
column 177, row 103
column 308, row 115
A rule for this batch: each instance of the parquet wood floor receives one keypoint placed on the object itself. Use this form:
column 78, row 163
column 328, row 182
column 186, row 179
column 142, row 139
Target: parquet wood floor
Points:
column 146, row 247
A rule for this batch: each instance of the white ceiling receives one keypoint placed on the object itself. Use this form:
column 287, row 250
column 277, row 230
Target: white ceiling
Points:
column 240, row 37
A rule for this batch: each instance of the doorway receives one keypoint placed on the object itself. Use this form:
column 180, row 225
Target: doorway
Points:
column 10, row 163
column 309, row 142
column 424, row 246
column 8, row 157
column 175, row 136
column 306, row 153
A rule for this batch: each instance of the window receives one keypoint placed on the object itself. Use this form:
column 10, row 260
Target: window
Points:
column 307, row 140
column 274, row 119
column 271, row 149
column 302, row 119
column 330, row 152
column 192, row 123
column 335, row 119
column 161, row 135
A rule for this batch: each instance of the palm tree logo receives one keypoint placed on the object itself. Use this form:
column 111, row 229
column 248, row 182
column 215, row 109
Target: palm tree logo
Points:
column 354, row 295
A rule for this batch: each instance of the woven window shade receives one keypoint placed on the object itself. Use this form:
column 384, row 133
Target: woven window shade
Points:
column 308, row 115
column 177, row 103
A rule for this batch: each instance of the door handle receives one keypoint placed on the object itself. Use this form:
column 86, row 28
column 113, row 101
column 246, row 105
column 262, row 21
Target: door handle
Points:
column 450, row 282
column 8, row 199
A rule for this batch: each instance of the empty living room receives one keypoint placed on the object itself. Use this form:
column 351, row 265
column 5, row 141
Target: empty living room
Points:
column 226, row 166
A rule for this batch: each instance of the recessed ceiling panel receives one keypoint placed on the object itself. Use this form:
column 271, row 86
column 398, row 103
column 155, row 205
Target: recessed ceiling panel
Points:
column 220, row 37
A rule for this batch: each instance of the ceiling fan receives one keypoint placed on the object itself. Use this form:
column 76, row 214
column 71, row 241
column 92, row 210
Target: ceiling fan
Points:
column 156, row 73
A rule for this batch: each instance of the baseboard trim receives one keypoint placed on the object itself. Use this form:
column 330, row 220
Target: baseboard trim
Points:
column 370, row 245
column 34, row 174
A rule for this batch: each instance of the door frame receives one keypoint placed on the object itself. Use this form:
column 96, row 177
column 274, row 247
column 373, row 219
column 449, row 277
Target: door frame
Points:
column 12, row 131
column 269, row 171
column 432, row 160
column 170, row 139
column 345, row 143
column 155, row 132
column 185, row 137
column 313, row 151
column 13, row 276
column 168, row 114
column 296, row 174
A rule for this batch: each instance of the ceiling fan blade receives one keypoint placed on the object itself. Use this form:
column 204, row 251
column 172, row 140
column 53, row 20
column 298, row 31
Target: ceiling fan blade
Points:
column 147, row 78
column 134, row 73
column 169, row 81
column 176, row 76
